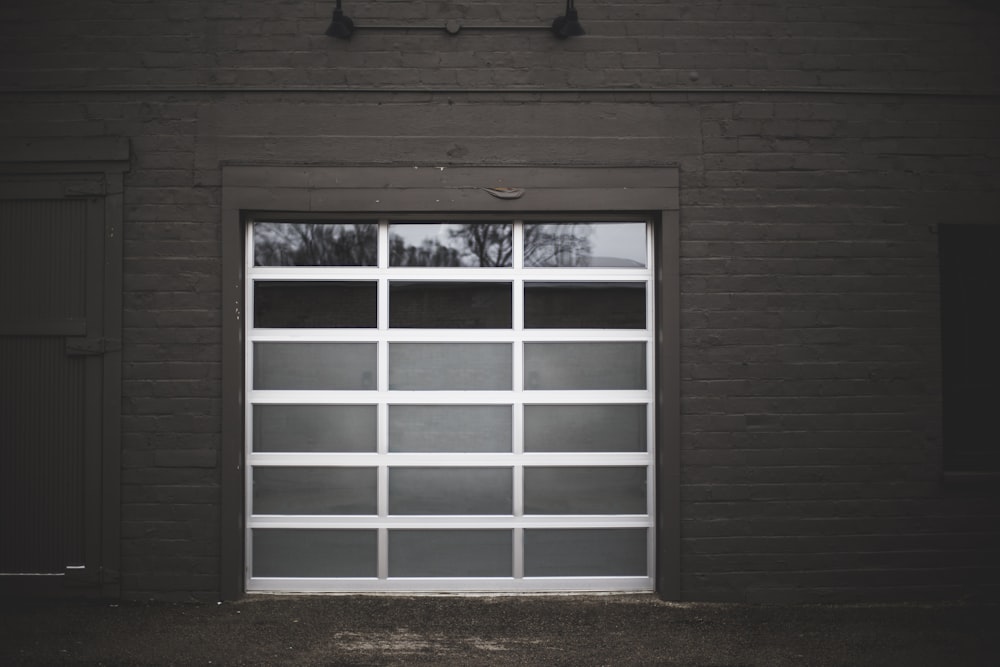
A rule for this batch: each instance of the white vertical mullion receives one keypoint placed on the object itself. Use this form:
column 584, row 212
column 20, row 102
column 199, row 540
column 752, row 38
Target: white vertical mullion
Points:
column 382, row 545
column 382, row 250
column 517, row 245
column 518, row 553
column 248, row 411
column 651, row 402
column 382, row 472
column 517, row 408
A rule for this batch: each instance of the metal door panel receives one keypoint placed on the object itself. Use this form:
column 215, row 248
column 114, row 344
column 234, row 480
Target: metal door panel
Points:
column 51, row 299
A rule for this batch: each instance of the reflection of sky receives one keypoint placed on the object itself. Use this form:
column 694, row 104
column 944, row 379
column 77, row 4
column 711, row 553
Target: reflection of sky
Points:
column 620, row 240
column 414, row 235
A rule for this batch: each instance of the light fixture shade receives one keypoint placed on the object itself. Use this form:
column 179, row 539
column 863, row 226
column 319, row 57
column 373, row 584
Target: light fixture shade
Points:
column 568, row 25
column 341, row 27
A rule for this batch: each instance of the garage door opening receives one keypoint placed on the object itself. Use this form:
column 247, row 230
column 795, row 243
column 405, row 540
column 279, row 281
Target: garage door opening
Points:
column 449, row 404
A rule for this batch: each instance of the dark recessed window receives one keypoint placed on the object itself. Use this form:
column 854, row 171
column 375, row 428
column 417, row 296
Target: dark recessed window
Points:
column 321, row 304
column 970, row 276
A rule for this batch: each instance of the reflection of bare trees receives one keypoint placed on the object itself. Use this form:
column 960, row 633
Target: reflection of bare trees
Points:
column 315, row 244
column 566, row 244
column 491, row 244
column 429, row 253
column 470, row 244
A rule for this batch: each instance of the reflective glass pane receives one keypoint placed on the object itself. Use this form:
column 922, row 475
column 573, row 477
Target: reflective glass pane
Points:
column 602, row 244
column 585, row 428
column 581, row 552
column 450, row 244
column 445, row 305
column 450, row 553
column 444, row 366
column 295, row 490
column 315, row 244
column 330, row 366
column 315, row 304
column 314, row 428
column 585, row 490
column 299, row 552
column 585, row 305
column 449, row 428
column 585, row 365
column 450, row 490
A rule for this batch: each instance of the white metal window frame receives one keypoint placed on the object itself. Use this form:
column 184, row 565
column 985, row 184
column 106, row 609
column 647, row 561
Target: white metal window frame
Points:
column 517, row 398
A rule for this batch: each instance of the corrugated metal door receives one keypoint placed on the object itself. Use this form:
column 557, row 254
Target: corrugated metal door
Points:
column 51, row 341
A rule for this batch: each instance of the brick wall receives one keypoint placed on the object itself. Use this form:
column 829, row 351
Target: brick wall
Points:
column 819, row 146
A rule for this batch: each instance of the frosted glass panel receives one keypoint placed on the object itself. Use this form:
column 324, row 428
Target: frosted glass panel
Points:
column 450, row 244
column 607, row 552
column 449, row 305
column 315, row 244
column 295, row 552
column 585, row 305
column 450, row 491
column 314, row 365
column 314, row 428
column 295, row 490
column 598, row 244
column 449, row 428
column 443, row 366
column 585, row 428
column 302, row 304
column 585, row 365
column 450, row 553
column 590, row 490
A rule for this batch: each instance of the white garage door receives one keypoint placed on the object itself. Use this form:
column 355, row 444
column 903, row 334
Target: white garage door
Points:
column 449, row 405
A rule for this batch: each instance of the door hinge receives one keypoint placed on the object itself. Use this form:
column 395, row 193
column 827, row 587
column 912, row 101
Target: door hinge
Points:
column 81, row 346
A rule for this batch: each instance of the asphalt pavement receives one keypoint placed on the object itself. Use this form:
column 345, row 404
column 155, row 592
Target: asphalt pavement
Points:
column 512, row 630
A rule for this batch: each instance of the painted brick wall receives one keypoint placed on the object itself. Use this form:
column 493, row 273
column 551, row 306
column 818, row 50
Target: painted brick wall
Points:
column 819, row 146
column 923, row 44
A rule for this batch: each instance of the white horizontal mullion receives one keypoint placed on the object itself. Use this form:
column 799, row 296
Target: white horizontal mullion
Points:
column 585, row 274
column 313, row 335
column 372, row 397
column 302, row 273
column 452, row 522
column 449, row 459
column 450, row 274
column 447, row 335
column 450, row 584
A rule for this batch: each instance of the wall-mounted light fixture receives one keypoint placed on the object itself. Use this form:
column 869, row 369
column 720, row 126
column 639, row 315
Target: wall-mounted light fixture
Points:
column 562, row 27
column 341, row 26
column 568, row 25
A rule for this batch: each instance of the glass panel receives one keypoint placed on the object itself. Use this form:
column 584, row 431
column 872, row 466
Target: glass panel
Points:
column 581, row 552
column 590, row 490
column 314, row 365
column 315, row 304
column 449, row 428
column 297, row 552
column 444, row 305
column 315, row 244
column 585, row 428
column 450, row 490
column 314, row 428
column 295, row 490
column 608, row 244
column 457, row 366
column 440, row 244
column 585, row 305
column 450, row 553
column 585, row 365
